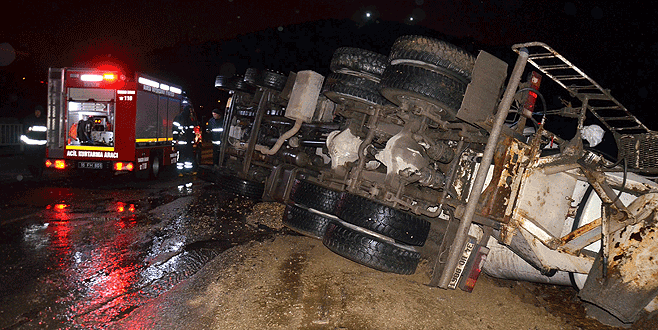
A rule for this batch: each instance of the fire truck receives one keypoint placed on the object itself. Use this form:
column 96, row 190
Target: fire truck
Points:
column 100, row 119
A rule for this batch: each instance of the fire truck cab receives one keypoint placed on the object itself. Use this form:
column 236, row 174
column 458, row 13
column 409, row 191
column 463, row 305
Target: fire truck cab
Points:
column 100, row 119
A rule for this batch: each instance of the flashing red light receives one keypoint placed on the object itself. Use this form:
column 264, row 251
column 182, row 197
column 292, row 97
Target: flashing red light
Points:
column 121, row 166
column 49, row 163
column 60, row 207
column 109, row 77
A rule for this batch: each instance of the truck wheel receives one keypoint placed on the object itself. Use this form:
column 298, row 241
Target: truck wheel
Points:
column 343, row 87
column 223, row 83
column 413, row 48
column 239, row 84
column 274, row 80
column 252, row 77
column 354, row 81
column 234, row 83
column 400, row 81
column 305, row 221
column 246, row 188
column 154, row 165
column 379, row 218
column 359, row 60
column 369, row 250
column 340, row 93
column 316, row 197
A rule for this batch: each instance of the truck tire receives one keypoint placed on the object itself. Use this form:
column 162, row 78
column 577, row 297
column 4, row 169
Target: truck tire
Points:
column 233, row 83
column 342, row 87
column 238, row 186
column 274, row 80
column 358, row 60
column 154, row 166
column 385, row 220
column 401, row 81
column 432, row 51
column 305, row 221
column 340, row 93
column 354, row 81
column 369, row 250
column 316, row 197
column 239, row 84
column 223, row 83
column 252, row 77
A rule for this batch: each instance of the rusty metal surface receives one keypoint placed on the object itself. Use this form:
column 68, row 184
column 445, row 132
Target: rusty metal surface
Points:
column 581, row 237
column 507, row 165
column 630, row 279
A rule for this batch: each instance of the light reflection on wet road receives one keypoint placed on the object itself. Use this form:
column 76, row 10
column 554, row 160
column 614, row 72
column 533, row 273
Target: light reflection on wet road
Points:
column 85, row 257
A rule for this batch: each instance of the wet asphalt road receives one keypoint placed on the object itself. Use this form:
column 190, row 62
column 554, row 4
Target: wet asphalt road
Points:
column 85, row 251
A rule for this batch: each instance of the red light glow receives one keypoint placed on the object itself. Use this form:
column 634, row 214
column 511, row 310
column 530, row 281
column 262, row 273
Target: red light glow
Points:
column 60, row 164
column 121, row 166
column 122, row 207
column 109, row 77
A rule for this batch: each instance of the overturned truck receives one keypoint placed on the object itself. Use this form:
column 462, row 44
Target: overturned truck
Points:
column 433, row 153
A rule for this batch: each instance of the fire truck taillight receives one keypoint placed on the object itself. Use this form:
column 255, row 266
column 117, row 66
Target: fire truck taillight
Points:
column 121, row 166
column 57, row 163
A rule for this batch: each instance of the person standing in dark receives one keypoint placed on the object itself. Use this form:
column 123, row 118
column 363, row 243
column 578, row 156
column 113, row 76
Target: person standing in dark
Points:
column 183, row 137
column 214, row 126
column 84, row 130
column 34, row 141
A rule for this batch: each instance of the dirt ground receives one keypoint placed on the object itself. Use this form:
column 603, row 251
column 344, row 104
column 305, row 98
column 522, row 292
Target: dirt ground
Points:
column 294, row 282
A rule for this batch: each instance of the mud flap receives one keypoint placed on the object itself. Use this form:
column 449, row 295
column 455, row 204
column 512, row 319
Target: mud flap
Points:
column 483, row 93
column 630, row 281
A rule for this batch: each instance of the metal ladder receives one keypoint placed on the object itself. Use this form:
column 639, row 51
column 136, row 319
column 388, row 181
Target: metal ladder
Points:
column 597, row 100
column 635, row 142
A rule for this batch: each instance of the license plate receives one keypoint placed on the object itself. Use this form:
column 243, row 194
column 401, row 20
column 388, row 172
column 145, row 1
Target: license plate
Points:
column 91, row 165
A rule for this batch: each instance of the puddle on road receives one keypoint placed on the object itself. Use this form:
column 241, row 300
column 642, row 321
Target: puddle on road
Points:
column 90, row 264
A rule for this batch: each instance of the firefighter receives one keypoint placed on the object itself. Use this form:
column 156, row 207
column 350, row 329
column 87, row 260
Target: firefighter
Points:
column 183, row 136
column 214, row 126
column 34, row 141
column 84, row 130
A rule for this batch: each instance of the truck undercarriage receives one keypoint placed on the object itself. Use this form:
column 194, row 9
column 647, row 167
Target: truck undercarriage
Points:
column 433, row 153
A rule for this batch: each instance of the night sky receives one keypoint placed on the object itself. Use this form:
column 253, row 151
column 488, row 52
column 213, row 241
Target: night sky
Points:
column 190, row 42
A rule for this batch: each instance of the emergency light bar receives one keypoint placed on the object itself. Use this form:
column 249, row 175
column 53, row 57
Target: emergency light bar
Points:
column 98, row 77
column 155, row 84
column 148, row 82
column 91, row 77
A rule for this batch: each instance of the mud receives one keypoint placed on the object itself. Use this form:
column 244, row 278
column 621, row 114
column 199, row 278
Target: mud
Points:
column 294, row 282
